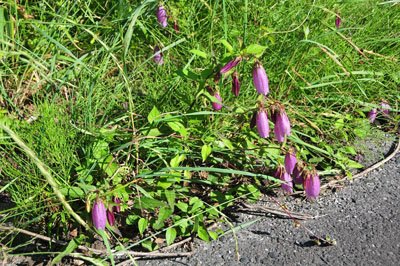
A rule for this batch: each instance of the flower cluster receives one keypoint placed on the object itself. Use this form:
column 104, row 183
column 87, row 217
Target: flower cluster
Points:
column 101, row 215
column 292, row 172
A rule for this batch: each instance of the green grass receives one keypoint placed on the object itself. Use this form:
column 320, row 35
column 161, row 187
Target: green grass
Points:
column 79, row 87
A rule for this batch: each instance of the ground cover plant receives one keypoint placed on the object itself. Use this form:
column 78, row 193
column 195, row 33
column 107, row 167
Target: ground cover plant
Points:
column 138, row 123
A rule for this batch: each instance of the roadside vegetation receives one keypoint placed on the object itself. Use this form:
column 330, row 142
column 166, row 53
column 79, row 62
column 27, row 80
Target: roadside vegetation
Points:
column 140, row 122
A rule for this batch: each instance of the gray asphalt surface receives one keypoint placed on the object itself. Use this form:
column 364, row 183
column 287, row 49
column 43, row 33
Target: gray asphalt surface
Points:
column 363, row 217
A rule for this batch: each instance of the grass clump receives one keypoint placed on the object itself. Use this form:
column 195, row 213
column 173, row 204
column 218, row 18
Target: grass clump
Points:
column 80, row 88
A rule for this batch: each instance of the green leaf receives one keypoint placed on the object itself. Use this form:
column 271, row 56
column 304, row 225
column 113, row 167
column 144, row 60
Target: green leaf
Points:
column 182, row 206
column 170, row 195
column 170, row 235
column 213, row 235
column 205, row 151
column 177, row 160
column 149, row 245
column 163, row 214
column 148, row 203
column 73, row 192
column 131, row 219
column 202, row 233
column 227, row 45
column 72, row 245
column 228, row 144
column 154, row 114
column 142, row 225
column 178, row 127
column 197, row 203
column 254, row 49
column 100, row 149
column 353, row 164
column 104, row 236
column 154, row 132
column 199, row 53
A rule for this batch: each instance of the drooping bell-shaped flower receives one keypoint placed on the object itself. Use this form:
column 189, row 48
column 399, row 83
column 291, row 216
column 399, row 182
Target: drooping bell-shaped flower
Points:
column 385, row 107
column 110, row 217
column 338, row 21
column 260, row 79
column 284, row 176
column 282, row 124
column 99, row 216
column 312, row 184
column 231, row 64
column 158, row 56
column 235, row 84
column 372, row 115
column 290, row 161
column 117, row 206
column 162, row 16
column 298, row 173
column 262, row 123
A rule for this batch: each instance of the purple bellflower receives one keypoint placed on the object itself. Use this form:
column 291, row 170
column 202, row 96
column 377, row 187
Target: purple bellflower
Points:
column 312, row 184
column 284, row 176
column 260, row 79
column 262, row 123
column 235, row 84
column 162, row 16
column 290, row 161
column 282, row 124
column 231, row 64
column 99, row 216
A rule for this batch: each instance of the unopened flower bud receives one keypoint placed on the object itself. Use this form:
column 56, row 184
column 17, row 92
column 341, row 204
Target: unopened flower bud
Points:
column 235, row 84
column 284, row 176
column 290, row 161
column 231, row 64
column 260, row 79
column 372, row 115
column 162, row 16
column 262, row 123
column 312, row 184
column 338, row 21
column 158, row 56
column 176, row 26
column 99, row 217
column 110, row 217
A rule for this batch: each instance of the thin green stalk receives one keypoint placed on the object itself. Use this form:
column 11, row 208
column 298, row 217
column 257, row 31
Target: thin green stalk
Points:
column 246, row 4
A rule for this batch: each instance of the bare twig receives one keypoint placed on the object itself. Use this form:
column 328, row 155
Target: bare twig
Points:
column 48, row 239
column 177, row 244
